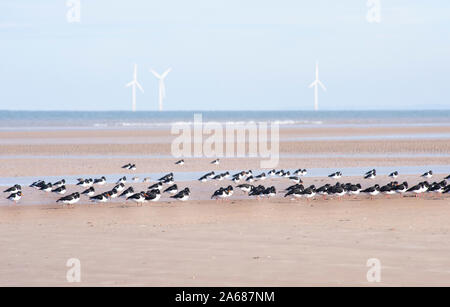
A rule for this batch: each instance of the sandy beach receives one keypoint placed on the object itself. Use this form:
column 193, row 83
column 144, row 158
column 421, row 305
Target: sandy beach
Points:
column 242, row 242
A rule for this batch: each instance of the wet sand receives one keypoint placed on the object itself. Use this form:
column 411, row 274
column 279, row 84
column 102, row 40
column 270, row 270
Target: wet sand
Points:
column 238, row 243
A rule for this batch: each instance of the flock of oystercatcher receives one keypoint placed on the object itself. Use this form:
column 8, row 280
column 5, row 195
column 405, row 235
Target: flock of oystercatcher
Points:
column 244, row 181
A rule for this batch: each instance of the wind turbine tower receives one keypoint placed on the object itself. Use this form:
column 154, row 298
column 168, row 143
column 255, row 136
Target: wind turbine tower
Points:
column 316, row 84
column 162, row 89
column 134, row 83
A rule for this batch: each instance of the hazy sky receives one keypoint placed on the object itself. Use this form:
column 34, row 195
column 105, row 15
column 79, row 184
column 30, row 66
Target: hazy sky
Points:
column 225, row 54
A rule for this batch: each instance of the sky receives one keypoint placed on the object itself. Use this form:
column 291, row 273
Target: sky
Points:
column 225, row 54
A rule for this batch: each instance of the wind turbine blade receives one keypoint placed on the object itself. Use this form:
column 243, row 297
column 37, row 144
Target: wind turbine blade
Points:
column 140, row 87
column 313, row 84
column 155, row 74
column 165, row 73
column 129, row 84
column 323, row 86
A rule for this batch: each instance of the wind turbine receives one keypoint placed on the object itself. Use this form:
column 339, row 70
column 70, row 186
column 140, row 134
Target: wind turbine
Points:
column 134, row 84
column 316, row 84
column 162, row 89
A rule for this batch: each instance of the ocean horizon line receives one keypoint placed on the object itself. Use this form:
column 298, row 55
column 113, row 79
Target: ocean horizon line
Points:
column 234, row 110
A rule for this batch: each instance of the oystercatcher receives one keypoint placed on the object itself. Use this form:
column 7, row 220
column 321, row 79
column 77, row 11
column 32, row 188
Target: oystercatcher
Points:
column 70, row 199
column 14, row 189
column 89, row 191
column 15, row 197
column 60, row 190
column 173, row 189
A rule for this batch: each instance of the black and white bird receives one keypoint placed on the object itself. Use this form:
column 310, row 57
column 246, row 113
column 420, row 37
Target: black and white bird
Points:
column 59, row 183
column 15, row 197
column 101, row 198
column 14, row 189
column 393, row 174
column 373, row 190
column 60, row 190
column 100, row 181
column 183, row 195
column 165, row 177
column 272, row 172
column 337, row 190
column 89, row 192
column 250, row 179
column 236, row 179
column 119, row 187
column 219, row 194
column 389, row 189
column 401, row 188
column 70, row 199
column 113, row 193
column 85, row 183
column 417, row 189
column 295, row 186
column 46, row 187
column 447, row 178
column 270, row 192
column 173, row 189
column 127, row 193
column 428, row 174
column 157, row 185
column 261, row 176
column 370, row 172
column 335, row 175
column 296, row 193
column 279, row 173
column 323, row 190
column 180, row 162
column 122, row 180
column 229, row 191
column 257, row 191
column 154, row 195
column 438, row 187
column 309, row 192
column 246, row 188
column 168, row 181
column 138, row 198
column 130, row 166
column 354, row 189
column 301, row 172
column 286, row 174
column 370, row 175
column 36, row 184
column 207, row 176
column 216, row 162
column 219, row 177
column 240, row 175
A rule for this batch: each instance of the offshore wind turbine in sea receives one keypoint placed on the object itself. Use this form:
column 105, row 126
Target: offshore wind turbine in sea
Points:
column 134, row 83
column 162, row 89
column 316, row 84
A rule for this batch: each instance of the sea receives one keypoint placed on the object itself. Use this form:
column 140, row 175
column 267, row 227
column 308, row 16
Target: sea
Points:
column 54, row 120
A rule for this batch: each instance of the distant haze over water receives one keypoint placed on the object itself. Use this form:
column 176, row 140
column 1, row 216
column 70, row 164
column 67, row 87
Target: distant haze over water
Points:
column 12, row 120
